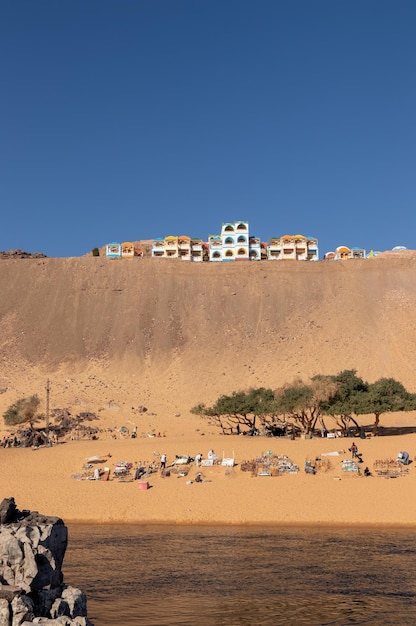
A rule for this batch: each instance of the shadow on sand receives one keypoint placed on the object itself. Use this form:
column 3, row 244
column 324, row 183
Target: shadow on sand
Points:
column 389, row 431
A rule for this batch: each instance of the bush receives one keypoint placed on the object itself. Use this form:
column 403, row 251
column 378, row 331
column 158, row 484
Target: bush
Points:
column 22, row 411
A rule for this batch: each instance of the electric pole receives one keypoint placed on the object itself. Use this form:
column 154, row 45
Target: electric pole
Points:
column 47, row 407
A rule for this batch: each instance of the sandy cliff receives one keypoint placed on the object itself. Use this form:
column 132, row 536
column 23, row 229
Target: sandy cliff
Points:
column 161, row 332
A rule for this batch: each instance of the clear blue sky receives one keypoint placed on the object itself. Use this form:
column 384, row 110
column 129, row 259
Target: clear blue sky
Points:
column 134, row 119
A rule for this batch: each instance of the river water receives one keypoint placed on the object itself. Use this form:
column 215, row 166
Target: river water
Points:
column 234, row 576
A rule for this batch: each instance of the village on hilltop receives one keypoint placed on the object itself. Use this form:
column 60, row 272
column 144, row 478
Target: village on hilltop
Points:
column 235, row 243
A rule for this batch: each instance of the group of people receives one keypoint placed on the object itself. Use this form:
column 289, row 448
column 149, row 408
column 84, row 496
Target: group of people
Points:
column 28, row 438
column 10, row 442
column 140, row 470
column 198, row 458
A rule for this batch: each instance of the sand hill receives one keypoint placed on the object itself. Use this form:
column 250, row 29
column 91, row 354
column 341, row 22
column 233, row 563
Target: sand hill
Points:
column 114, row 335
column 168, row 334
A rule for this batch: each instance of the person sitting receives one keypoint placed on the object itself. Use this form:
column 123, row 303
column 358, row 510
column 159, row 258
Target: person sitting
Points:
column 403, row 457
column 140, row 471
column 310, row 468
column 367, row 472
column 212, row 456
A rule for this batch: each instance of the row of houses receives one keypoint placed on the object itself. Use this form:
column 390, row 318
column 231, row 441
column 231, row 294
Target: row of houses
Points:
column 343, row 252
column 235, row 243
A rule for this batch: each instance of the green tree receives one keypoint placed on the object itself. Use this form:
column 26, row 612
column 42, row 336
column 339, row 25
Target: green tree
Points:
column 301, row 403
column 240, row 409
column 384, row 396
column 346, row 391
column 95, row 252
column 22, row 411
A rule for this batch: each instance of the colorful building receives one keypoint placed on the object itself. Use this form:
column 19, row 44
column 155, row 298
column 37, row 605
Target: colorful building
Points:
column 215, row 248
column 343, row 252
column 197, row 250
column 127, row 250
column 113, row 250
column 234, row 243
column 293, row 248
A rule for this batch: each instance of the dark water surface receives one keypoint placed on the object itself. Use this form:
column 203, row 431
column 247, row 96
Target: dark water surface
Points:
column 228, row 576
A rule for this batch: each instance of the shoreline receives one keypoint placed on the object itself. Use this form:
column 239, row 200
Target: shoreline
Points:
column 247, row 525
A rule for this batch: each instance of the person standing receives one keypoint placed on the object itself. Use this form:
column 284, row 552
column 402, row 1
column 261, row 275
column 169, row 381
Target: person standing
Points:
column 354, row 450
column 198, row 459
column 163, row 461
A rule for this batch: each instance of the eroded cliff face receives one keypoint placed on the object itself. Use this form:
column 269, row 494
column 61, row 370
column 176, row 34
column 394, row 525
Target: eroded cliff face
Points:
column 187, row 332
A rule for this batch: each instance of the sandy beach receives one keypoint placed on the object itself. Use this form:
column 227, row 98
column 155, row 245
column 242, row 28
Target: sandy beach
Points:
column 48, row 480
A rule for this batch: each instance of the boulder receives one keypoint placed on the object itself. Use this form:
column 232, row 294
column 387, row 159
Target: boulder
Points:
column 32, row 591
column 32, row 553
column 4, row 612
column 22, row 610
column 7, row 510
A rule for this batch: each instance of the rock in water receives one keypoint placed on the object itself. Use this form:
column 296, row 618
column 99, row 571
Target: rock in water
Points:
column 32, row 591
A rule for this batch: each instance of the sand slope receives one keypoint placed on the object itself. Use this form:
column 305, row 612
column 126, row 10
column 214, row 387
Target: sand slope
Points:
column 114, row 335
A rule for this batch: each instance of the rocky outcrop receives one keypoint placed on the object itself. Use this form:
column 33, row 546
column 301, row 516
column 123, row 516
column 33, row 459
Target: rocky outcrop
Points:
column 32, row 591
column 21, row 254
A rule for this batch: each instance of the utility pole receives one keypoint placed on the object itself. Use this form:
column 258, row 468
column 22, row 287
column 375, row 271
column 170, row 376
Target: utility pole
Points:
column 47, row 407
